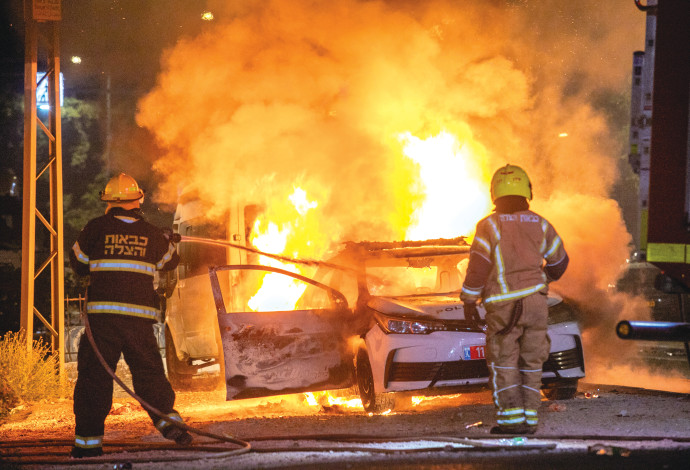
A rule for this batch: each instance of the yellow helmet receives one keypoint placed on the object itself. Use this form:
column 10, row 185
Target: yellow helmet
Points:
column 121, row 188
column 510, row 180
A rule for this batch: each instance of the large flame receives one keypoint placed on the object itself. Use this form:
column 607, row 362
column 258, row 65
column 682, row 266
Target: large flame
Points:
column 278, row 292
column 455, row 193
column 453, row 196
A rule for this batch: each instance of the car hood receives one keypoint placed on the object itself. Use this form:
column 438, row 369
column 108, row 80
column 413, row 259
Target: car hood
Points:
column 439, row 306
column 444, row 307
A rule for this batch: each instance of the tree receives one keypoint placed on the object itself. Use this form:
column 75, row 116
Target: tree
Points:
column 83, row 176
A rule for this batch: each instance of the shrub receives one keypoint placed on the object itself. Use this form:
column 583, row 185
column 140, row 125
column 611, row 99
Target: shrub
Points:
column 26, row 375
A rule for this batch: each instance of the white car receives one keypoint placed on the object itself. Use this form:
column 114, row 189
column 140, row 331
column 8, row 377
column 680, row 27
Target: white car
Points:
column 386, row 316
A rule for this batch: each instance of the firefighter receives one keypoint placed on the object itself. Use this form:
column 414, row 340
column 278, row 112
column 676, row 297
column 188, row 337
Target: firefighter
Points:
column 120, row 252
column 514, row 255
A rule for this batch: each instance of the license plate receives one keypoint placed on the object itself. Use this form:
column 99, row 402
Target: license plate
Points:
column 474, row 352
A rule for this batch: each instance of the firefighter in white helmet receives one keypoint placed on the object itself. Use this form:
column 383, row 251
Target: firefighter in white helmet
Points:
column 514, row 255
column 120, row 252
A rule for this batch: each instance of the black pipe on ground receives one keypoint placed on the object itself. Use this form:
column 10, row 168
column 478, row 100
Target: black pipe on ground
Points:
column 653, row 330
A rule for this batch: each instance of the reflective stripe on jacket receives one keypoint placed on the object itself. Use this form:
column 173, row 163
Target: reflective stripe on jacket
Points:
column 507, row 257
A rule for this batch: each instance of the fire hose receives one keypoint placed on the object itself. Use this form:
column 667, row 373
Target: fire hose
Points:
column 177, row 238
column 245, row 446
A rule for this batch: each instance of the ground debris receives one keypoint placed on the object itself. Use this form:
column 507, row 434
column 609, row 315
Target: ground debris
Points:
column 121, row 408
column 333, row 409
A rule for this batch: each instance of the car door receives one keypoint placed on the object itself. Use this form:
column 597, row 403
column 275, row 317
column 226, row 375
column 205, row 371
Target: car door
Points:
column 280, row 352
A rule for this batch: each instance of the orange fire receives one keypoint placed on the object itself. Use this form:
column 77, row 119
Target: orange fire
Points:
column 454, row 196
column 418, row 400
column 326, row 398
column 278, row 292
column 333, row 404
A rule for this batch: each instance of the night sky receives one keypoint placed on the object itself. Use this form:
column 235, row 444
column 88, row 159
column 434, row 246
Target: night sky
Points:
column 119, row 42
column 123, row 38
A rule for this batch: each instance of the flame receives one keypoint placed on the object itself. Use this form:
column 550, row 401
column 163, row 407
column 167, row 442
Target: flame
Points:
column 327, row 399
column 300, row 201
column 311, row 401
column 278, row 292
column 456, row 194
column 454, row 197
column 417, row 400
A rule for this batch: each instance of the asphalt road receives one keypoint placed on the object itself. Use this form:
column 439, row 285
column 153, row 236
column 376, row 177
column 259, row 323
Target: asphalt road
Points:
column 602, row 427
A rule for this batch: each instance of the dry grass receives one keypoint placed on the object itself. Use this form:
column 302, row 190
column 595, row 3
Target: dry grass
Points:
column 26, row 376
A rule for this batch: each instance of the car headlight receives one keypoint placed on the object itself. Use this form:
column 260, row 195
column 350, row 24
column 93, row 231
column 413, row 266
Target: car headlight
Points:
column 407, row 327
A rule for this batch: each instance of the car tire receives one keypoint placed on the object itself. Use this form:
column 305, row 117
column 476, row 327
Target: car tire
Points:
column 371, row 401
column 561, row 390
column 179, row 373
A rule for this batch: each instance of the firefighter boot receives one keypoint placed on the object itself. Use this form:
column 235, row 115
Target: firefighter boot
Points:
column 169, row 431
column 180, row 436
column 519, row 429
column 81, row 452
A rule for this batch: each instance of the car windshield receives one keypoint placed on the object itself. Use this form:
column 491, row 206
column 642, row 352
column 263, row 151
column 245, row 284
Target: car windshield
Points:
column 415, row 275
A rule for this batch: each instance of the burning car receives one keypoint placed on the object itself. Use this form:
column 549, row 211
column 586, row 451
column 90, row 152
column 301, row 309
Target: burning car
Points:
column 384, row 316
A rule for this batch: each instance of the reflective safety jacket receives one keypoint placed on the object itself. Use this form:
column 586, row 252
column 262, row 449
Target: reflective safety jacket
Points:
column 121, row 252
column 507, row 257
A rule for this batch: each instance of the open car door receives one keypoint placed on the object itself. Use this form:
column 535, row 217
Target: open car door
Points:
column 281, row 352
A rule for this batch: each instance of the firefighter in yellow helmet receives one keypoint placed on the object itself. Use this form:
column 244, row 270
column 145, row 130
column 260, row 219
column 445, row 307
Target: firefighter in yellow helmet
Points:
column 122, row 188
column 120, row 252
column 514, row 256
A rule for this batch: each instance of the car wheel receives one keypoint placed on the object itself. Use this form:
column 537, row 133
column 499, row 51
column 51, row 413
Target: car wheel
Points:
column 371, row 401
column 563, row 390
column 179, row 373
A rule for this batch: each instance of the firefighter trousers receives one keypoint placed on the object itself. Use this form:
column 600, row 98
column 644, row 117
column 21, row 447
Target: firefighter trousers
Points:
column 516, row 358
column 93, row 393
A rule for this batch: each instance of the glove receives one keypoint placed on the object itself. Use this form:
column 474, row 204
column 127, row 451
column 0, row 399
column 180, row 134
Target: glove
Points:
column 171, row 236
column 472, row 315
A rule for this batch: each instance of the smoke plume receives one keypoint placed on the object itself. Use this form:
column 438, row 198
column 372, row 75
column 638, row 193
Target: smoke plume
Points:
column 315, row 95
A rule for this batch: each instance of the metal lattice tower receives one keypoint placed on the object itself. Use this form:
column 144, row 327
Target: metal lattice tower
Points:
column 42, row 20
